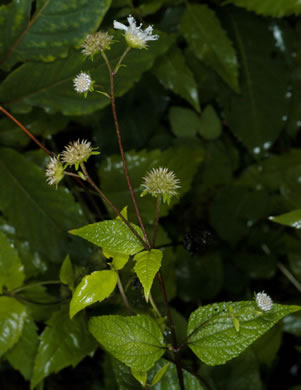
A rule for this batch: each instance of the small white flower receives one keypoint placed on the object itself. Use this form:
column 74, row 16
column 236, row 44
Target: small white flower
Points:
column 83, row 83
column 160, row 181
column 264, row 301
column 135, row 36
column 77, row 152
column 54, row 171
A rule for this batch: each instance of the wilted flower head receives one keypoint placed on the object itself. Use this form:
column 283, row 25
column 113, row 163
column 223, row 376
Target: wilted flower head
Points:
column 160, row 181
column 77, row 152
column 264, row 301
column 135, row 36
column 83, row 83
column 95, row 43
column 54, row 171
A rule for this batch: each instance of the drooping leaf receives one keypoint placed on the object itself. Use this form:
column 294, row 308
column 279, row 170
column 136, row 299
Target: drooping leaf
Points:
column 210, row 43
column 136, row 341
column 11, row 268
column 159, row 375
column 119, row 259
column 257, row 115
column 66, row 273
column 175, row 159
column 147, row 265
column 39, row 213
column 93, row 288
column 111, row 235
column 292, row 219
column 213, row 336
column 167, row 70
column 23, row 354
column 64, row 342
column 184, row 122
column 277, row 8
column 55, row 92
column 12, row 318
column 55, row 26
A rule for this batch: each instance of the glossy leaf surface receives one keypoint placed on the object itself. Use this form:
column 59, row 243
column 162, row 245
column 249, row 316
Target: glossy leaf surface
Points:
column 292, row 219
column 93, row 288
column 11, row 268
column 213, row 336
column 136, row 341
column 147, row 265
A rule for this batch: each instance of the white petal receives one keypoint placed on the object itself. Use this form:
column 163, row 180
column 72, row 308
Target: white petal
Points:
column 119, row 26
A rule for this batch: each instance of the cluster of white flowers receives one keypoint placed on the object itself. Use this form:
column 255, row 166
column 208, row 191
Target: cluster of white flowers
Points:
column 83, row 83
column 54, row 171
column 264, row 301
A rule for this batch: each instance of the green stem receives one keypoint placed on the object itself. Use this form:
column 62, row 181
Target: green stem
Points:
column 120, row 60
column 152, row 302
column 123, row 295
column 156, row 222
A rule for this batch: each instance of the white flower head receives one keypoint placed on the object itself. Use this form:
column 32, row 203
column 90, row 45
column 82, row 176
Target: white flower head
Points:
column 54, row 171
column 83, row 83
column 77, row 152
column 264, row 301
column 135, row 36
column 97, row 42
column 160, row 181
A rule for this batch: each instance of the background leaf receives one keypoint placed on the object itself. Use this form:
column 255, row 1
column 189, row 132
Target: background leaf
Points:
column 292, row 219
column 270, row 7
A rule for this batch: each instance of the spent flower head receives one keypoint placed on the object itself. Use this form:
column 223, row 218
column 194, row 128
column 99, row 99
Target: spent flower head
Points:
column 160, row 181
column 54, row 171
column 135, row 36
column 83, row 83
column 97, row 42
column 77, row 152
column 264, row 301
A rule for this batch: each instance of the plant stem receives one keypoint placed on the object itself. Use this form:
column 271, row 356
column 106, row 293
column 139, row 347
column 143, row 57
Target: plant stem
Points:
column 25, row 131
column 35, row 284
column 154, row 305
column 289, row 276
column 116, row 123
column 120, row 60
column 114, row 208
column 156, row 222
column 123, row 296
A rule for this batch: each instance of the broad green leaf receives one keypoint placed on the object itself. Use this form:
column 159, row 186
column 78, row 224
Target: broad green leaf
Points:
column 55, row 92
column 258, row 114
column 66, row 273
column 23, row 354
column 211, row 329
column 159, row 375
column 115, row 187
column 119, row 259
column 12, row 318
column 210, row 126
column 210, row 43
column 40, row 213
column 93, row 288
column 136, row 341
column 292, row 219
column 11, row 268
column 168, row 68
column 276, row 8
column 147, row 265
column 184, row 122
column 55, row 26
column 64, row 342
column 112, row 235
column 141, row 376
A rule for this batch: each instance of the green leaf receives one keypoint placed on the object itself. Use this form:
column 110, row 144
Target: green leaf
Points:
column 210, row 43
column 160, row 374
column 210, row 126
column 147, row 265
column 112, row 235
column 12, row 318
column 184, row 122
column 175, row 159
column 11, row 268
column 211, row 331
column 119, row 259
column 93, row 288
column 258, row 114
column 64, row 342
column 23, row 354
column 168, row 68
column 66, row 273
column 55, row 26
column 55, row 92
column 141, row 376
column 136, row 341
column 292, row 219
column 277, row 8
column 40, row 214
